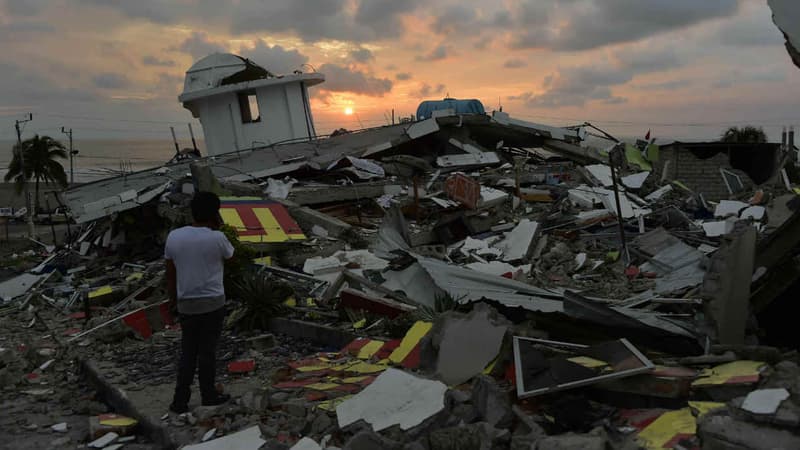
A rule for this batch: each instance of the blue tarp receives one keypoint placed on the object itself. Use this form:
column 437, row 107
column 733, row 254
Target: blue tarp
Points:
column 471, row 106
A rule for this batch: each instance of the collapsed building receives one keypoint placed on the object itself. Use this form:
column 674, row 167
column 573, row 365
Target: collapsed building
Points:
column 468, row 280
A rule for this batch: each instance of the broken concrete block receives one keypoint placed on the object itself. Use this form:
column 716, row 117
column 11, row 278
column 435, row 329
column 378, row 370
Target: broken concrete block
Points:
column 491, row 402
column 394, row 398
column 519, row 243
column 368, row 440
column 205, row 181
column 720, row 432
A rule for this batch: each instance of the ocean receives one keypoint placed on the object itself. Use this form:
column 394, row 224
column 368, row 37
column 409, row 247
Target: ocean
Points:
column 98, row 158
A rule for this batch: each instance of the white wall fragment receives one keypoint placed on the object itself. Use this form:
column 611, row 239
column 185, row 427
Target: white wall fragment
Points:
column 394, row 398
column 765, row 401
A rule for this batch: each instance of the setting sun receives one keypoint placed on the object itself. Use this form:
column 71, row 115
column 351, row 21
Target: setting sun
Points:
column 348, row 111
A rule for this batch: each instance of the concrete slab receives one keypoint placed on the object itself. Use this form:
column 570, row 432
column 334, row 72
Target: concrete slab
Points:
column 467, row 344
column 247, row 439
column 394, row 398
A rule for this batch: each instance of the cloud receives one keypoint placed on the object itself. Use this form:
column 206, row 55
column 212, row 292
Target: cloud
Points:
column 274, row 58
column 402, row 76
column 437, row 54
column 426, row 90
column 671, row 85
column 578, row 85
column 586, row 24
column 23, row 86
column 344, row 79
column 311, row 20
column 361, row 55
column 751, row 29
column 109, row 80
column 455, row 19
column 515, row 63
column 150, row 60
column 200, row 45
column 24, row 7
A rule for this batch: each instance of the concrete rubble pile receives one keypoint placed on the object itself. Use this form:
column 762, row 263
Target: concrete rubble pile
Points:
column 461, row 282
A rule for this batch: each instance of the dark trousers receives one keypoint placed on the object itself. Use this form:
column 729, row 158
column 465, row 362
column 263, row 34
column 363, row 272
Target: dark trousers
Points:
column 200, row 334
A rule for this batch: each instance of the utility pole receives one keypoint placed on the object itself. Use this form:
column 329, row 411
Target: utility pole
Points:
column 615, row 158
column 191, row 133
column 175, row 141
column 71, row 154
column 31, row 228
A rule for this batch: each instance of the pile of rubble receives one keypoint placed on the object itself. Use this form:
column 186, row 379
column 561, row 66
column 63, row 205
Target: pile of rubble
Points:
column 465, row 281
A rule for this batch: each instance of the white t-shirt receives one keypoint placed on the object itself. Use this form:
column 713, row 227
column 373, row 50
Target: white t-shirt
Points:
column 199, row 254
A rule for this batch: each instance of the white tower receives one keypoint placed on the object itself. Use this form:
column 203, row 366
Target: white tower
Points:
column 240, row 104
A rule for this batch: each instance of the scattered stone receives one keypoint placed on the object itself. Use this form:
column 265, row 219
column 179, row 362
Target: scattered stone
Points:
column 60, row 427
column 477, row 436
column 719, row 432
column 368, row 440
column 491, row 403
column 104, row 440
column 208, row 435
column 296, row 407
column 321, row 424
column 571, row 441
column 60, row 442
column 277, row 399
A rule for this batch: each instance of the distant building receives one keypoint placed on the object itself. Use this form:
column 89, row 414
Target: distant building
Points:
column 242, row 105
column 719, row 170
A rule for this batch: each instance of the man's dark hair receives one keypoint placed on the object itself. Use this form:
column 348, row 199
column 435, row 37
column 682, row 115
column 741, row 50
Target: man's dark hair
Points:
column 205, row 206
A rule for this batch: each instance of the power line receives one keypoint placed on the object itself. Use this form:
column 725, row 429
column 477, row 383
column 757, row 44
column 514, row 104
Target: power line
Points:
column 106, row 119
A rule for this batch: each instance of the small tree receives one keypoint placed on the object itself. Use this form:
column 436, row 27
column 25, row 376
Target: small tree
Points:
column 40, row 164
column 745, row 135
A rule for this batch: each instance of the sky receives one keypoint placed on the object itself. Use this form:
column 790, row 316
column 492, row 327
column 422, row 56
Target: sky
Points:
column 685, row 69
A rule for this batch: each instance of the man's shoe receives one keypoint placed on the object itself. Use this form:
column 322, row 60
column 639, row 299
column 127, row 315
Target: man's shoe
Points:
column 178, row 409
column 218, row 400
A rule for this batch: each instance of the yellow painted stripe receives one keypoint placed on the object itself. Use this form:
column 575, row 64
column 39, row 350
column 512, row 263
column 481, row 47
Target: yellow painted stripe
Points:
column 330, row 405
column 410, row 340
column 666, row 427
column 363, row 367
column 322, row 386
column 231, row 217
column 273, row 229
column 99, row 292
column 352, row 380
column 370, row 349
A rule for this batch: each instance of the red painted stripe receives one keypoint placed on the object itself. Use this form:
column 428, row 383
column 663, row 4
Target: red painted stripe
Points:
column 251, row 223
column 387, row 349
column 412, row 360
column 138, row 321
column 353, row 348
column 284, row 219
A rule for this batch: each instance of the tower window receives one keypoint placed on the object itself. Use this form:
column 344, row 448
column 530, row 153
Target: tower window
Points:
column 248, row 105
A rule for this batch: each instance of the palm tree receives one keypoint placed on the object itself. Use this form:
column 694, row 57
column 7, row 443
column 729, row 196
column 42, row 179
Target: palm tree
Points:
column 40, row 164
column 744, row 135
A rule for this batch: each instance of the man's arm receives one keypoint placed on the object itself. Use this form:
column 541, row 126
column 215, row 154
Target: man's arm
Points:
column 172, row 282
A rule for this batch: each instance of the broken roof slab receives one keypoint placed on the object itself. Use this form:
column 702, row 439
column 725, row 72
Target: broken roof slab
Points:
column 105, row 197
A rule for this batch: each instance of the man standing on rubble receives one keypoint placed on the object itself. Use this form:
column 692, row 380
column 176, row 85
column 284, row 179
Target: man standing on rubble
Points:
column 195, row 257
